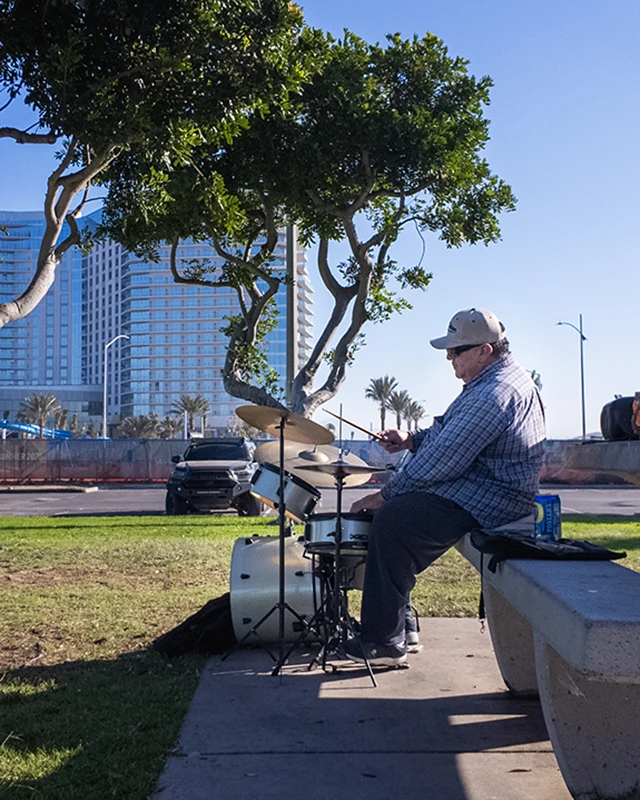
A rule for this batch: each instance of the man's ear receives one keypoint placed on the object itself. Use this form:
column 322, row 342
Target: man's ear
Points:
column 487, row 351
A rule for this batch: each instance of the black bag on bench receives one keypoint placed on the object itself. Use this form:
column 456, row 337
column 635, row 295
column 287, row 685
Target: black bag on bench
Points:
column 502, row 545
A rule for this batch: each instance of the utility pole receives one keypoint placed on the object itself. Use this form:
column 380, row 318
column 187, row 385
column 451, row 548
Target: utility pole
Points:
column 583, row 339
column 104, row 383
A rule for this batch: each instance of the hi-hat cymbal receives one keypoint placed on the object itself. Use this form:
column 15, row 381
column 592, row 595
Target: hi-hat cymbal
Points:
column 296, row 428
column 297, row 457
column 341, row 468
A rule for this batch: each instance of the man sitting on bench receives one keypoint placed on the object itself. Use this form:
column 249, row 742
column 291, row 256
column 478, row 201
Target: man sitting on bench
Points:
column 477, row 466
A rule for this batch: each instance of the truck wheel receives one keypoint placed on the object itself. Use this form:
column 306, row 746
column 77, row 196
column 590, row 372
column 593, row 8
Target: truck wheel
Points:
column 175, row 505
column 249, row 506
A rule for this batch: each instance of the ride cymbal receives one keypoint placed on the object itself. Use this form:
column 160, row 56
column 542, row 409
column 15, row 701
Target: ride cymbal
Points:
column 296, row 427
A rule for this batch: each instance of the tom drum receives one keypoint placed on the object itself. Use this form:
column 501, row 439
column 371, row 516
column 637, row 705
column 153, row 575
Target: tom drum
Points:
column 300, row 497
column 320, row 532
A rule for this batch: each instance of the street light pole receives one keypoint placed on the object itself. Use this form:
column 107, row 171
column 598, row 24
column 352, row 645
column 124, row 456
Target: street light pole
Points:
column 583, row 339
column 104, row 384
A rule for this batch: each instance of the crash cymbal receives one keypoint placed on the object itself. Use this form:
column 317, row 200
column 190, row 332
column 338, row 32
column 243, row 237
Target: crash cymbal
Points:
column 296, row 428
column 298, row 456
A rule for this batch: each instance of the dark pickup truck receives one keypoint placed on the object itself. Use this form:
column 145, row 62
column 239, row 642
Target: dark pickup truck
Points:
column 213, row 475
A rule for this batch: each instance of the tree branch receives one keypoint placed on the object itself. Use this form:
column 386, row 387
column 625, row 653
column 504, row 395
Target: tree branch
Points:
column 323, row 267
column 343, row 295
column 245, row 333
column 365, row 194
column 404, row 192
column 240, row 262
column 22, row 137
column 307, row 403
column 337, row 373
column 178, row 278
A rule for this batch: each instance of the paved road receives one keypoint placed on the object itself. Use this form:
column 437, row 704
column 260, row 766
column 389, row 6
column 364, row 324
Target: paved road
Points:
column 150, row 500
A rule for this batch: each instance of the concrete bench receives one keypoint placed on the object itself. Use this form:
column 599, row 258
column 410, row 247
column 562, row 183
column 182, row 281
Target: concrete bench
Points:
column 569, row 632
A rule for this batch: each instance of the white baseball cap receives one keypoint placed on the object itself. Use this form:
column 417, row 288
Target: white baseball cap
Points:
column 471, row 326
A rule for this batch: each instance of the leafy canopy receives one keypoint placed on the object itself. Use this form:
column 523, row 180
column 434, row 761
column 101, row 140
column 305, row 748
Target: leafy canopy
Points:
column 146, row 81
column 171, row 73
column 380, row 137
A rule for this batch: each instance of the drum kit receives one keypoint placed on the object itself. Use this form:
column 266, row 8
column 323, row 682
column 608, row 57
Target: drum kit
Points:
column 312, row 575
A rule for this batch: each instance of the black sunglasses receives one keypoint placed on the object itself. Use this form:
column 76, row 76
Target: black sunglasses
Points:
column 456, row 351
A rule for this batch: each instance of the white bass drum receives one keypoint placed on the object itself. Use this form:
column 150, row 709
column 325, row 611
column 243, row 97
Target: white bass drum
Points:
column 255, row 587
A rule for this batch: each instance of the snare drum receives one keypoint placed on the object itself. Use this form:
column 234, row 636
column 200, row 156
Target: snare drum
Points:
column 300, row 497
column 255, row 587
column 320, row 532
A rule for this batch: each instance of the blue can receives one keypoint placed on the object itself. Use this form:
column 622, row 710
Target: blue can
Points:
column 548, row 517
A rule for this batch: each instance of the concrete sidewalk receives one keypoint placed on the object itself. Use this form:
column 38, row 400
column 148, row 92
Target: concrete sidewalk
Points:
column 444, row 729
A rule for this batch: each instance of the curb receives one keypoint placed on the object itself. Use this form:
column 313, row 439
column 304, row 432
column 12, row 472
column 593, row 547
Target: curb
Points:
column 34, row 489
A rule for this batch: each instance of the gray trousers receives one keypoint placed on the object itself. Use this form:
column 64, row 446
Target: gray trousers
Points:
column 409, row 532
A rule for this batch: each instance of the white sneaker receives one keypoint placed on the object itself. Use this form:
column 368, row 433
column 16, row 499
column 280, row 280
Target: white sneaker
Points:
column 412, row 641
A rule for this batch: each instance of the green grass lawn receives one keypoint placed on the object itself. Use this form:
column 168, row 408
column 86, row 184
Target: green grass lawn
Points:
column 87, row 711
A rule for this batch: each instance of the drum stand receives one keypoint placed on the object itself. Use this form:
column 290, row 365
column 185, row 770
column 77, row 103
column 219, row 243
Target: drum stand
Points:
column 281, row 606
column 342, row 624
column 333, row 612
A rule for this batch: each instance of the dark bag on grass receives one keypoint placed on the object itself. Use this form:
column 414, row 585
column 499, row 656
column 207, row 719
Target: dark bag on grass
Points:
column 208, row 631
column 503, row 545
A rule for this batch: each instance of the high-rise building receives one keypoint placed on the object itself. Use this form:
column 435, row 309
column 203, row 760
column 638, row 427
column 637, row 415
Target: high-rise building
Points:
column 42, row 352
column 174, row 345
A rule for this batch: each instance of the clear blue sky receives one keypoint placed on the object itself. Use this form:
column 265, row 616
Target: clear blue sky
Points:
column 565, row 116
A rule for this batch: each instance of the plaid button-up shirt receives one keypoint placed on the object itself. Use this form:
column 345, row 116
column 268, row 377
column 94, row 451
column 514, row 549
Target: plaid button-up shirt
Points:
column 485, row 452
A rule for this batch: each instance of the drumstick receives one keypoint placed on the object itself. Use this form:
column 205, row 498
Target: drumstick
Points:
column 357, row 427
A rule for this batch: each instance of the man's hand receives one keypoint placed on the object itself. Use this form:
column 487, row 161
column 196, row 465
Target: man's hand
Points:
column 393, row 441
column 371, row 502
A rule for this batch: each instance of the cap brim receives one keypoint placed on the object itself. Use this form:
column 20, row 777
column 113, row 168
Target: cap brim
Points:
column 444, row 342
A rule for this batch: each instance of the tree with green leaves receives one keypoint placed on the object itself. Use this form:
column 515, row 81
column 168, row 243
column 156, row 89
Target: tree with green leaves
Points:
column 381, row 139
column 193, row 406
column 145, row 81
column 379, row 390
column 38, row 408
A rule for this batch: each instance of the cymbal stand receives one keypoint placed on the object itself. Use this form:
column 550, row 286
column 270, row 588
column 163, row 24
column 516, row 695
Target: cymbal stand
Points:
column 281, row 606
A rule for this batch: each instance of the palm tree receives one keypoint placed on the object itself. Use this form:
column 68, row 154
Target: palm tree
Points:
column 535, row 377
column 37, row 409
column 61, row 419
column 141, row 427
column 398, row 402
column 406, row 413
column 192, row 406
column 379, row 390
column 170, row 427
column 415, row 413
